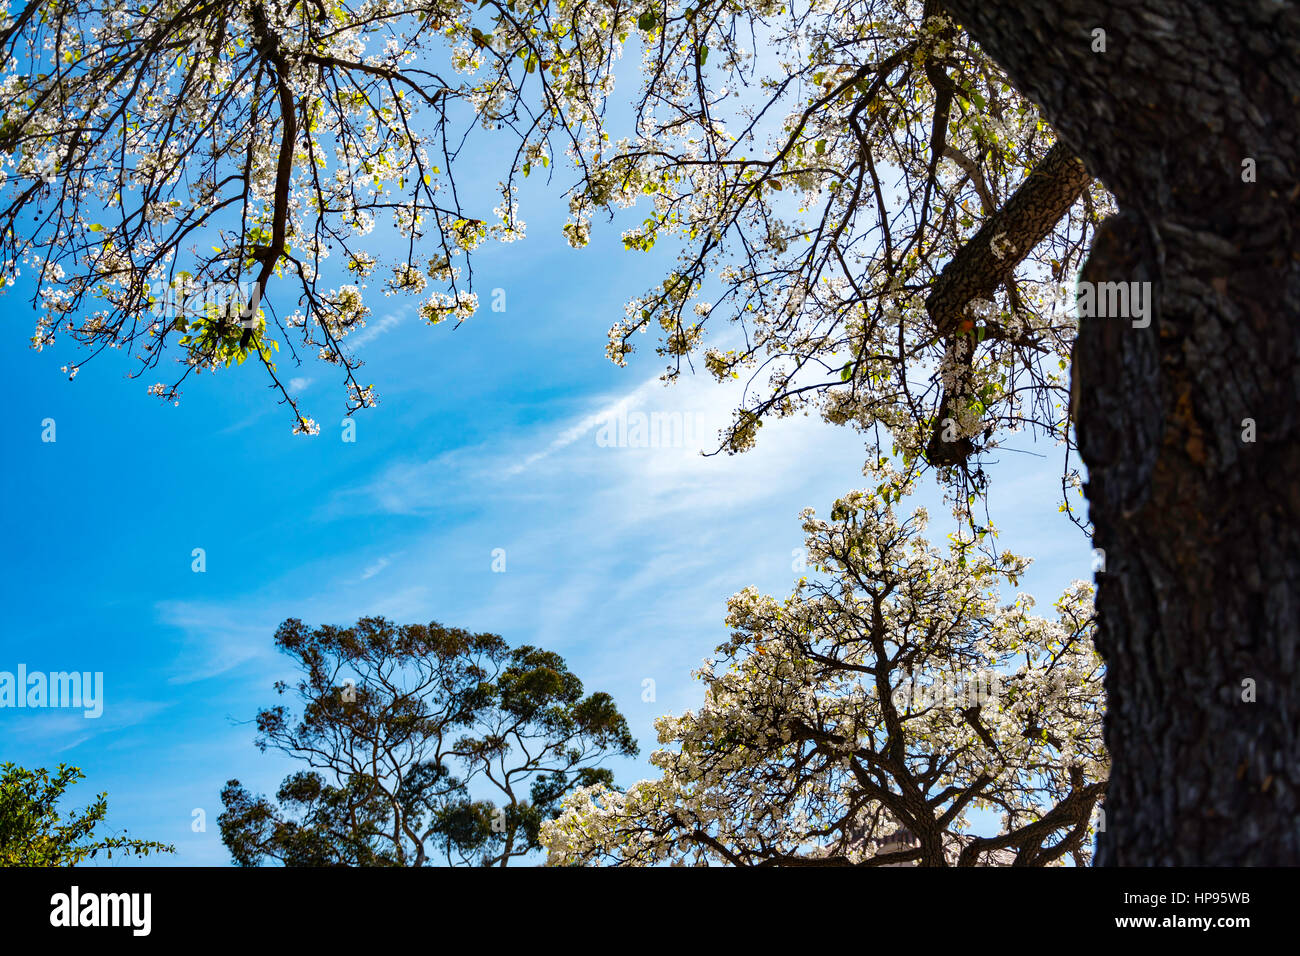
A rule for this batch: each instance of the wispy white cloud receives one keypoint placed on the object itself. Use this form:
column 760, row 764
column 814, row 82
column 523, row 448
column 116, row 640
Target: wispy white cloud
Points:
column 682, row 475
column 621, row 556
column 222, row 635
column 374, row 330
column 59, row 730
column 416, row 487
column 216, row 637
column 374, row 569
column 584, row 426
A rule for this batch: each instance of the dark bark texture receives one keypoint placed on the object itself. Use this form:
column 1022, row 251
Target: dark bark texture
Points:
column 1200, row 526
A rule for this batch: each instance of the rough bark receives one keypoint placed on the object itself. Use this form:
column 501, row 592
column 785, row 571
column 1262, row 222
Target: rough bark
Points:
column 1201, row 529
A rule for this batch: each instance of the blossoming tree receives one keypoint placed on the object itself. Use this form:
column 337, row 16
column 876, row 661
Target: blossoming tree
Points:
column 858, row 184
column 181, row 170
column 820, row 188
column 890, row 689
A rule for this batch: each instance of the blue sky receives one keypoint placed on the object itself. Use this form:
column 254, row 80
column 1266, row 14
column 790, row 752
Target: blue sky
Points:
column 621, row 559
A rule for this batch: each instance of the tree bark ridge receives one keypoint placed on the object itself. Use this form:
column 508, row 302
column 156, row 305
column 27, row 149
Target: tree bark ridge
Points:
column 1200, row 524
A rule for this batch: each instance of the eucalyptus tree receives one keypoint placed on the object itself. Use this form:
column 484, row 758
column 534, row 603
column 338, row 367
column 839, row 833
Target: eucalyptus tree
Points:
column 422, row 745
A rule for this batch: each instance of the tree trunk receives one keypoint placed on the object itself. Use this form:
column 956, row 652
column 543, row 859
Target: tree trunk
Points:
column 1189, row 427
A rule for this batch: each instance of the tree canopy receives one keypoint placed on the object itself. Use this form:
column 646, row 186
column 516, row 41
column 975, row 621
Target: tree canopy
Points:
column 891, row 689
column 854, row 183
column 424, row 745
column 863, row 191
